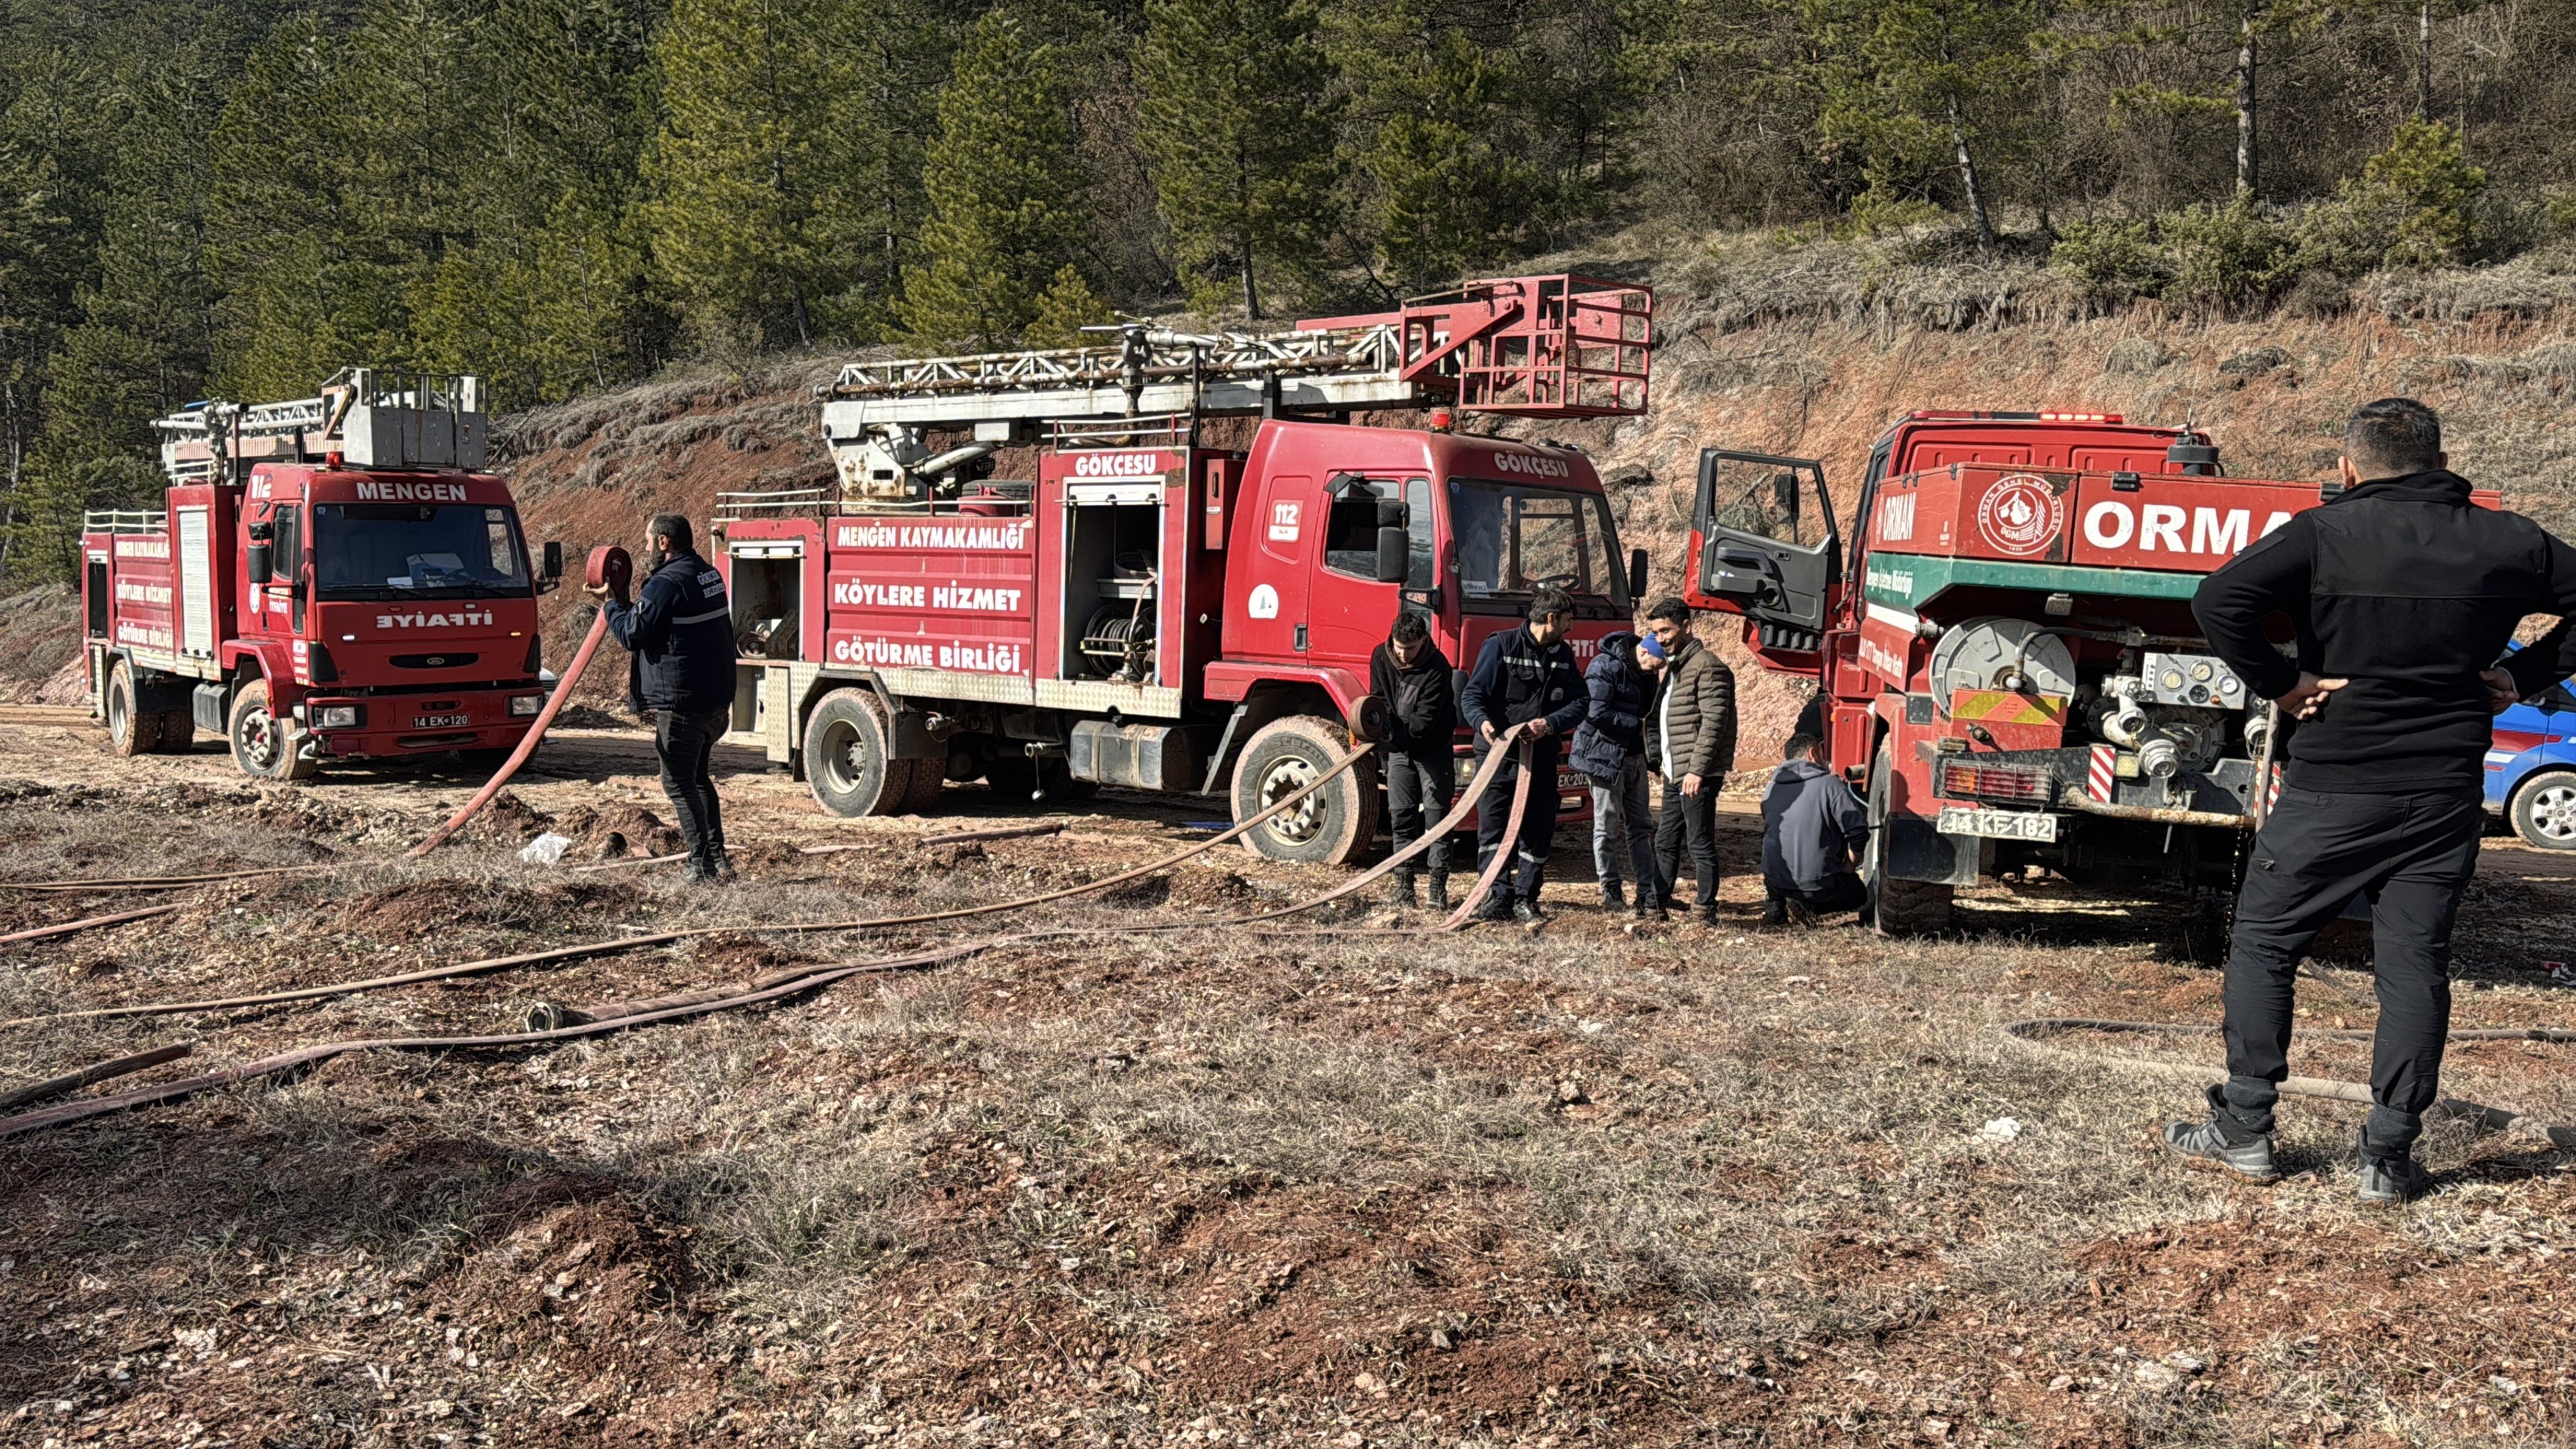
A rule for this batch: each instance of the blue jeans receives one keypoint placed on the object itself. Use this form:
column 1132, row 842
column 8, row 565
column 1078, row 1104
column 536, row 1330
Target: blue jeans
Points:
column 1621, row 824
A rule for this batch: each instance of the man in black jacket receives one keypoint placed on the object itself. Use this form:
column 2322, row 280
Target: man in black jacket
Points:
column 681, row 632
column 1524, row 686
column 2402, row 594
column 1410, row 673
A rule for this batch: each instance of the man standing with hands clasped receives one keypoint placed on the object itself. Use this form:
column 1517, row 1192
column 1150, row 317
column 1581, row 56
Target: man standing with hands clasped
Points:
column 1690, row 741
column 1524, row 685
column 681, row 631
column 2402, row 594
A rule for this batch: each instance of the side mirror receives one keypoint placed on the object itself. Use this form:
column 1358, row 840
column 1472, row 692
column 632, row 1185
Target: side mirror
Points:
column 256, row 560
column 1394, row 555
column 1636, row 576
column 554, row 559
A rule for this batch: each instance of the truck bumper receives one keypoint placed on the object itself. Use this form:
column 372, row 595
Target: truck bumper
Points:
column 425, row 722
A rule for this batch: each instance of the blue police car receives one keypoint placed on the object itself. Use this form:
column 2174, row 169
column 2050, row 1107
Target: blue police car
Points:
column 2531, row 768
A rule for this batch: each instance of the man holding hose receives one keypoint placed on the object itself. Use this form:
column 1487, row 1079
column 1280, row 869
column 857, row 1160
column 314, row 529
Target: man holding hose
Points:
column 680, row 631
column 2402, row 594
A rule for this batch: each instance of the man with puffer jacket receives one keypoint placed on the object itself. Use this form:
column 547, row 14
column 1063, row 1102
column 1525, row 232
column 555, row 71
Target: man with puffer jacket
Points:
column 1610, row 750
column 1690, row 741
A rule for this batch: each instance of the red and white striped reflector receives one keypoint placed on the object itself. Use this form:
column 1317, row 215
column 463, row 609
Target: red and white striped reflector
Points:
column 2099, row 775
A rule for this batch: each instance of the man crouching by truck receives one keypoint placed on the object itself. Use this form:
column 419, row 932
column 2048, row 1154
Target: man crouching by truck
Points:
column 2403, row 593
column 680, row 630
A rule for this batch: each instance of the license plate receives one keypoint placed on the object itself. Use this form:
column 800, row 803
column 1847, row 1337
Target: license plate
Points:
column 451, row 721
column 1997, row 824
column 1572, row 781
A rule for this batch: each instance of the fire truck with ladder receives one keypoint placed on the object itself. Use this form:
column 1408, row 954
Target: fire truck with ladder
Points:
column 1155, row 612
column 2006, row 658
column 332, row 578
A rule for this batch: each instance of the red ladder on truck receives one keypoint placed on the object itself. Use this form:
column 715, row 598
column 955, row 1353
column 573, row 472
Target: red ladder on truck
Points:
column 1559, row 346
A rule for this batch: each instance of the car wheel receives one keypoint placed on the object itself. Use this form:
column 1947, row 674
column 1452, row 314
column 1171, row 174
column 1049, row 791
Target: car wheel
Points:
column 2544, row 810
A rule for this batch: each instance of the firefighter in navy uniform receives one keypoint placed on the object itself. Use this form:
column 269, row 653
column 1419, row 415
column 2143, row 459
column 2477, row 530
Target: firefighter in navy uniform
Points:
column 2403, row 594
column 1524, row 686
column 680, row 629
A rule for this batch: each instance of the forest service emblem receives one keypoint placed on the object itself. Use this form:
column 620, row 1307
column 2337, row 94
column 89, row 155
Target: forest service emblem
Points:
column 2020, row 514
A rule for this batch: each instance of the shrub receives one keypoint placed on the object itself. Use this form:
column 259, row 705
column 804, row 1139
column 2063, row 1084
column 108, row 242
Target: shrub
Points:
column 2226, row 258
column 2113, row 261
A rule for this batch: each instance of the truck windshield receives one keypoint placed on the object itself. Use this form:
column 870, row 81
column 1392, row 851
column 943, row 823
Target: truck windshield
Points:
column 417, row 550
column 1512, row 537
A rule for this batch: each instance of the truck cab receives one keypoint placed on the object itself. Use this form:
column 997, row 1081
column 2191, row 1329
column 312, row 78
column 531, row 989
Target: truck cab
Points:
column 329, row 580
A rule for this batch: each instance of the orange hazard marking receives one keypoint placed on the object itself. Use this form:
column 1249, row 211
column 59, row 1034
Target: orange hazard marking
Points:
column 2002, row 706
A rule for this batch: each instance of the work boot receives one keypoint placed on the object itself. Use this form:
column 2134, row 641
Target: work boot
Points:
column 1528, row 914
column 1612, row 897
column 2207, row 1141
column 2390, row 1179
column 1399, row 889
column 1439, row 900
column 1649, row 907
column 1800, row 913
column 1775, row 911
column 1706, row 915
column 1497, row 907
column 720, row 865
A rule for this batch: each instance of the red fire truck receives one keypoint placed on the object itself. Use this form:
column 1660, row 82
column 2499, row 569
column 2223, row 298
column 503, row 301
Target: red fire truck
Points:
column 2006, row 654
column 331, row 579
column 1152, row 612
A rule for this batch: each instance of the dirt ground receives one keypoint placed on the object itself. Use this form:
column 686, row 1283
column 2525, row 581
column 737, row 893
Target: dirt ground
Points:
column 1321, row 1184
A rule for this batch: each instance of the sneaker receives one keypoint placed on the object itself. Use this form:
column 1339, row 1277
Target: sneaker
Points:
column 2203, row 1142
column 1528, row 913
column 2391, row 1180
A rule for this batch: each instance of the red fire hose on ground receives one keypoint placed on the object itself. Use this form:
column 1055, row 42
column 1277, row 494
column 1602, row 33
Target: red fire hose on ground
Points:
column 610, row 566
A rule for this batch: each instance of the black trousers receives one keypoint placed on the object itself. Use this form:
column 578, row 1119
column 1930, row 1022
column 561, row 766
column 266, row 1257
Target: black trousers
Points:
column 685, row 742
column 1842, row 893
column 1521, row 880
column 1420, row 788
column 2410, row 855
column 1688, row 820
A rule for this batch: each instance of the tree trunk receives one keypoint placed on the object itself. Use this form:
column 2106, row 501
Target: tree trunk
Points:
column 2424, row 61
column 1243, row 201
column 2245, row 175
column 1968, row 179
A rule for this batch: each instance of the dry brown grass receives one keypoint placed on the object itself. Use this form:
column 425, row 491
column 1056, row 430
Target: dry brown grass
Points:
column 1695, row 1187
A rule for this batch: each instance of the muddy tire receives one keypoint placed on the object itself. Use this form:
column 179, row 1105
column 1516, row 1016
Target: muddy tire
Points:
column 846, row 764
column 1895, row 907
column 921, row 796
column 2544, row 810
column 130, row 731
column 265, row 746
column 1333, row 826
column 178, row 732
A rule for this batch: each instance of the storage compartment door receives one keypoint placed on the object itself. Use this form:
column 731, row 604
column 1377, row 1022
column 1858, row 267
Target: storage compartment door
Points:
column 196, row 546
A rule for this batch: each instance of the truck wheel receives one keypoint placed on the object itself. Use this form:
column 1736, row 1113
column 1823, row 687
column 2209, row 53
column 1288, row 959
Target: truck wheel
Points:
column 130, row 731
column 846, row 764
column 266, row 746
column 1895, row 907
column 2544, row 810
column 1334, row 825
column 178, row 732
column 922, row 796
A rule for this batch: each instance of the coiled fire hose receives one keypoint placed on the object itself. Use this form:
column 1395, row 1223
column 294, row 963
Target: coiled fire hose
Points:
column 610, row 566
column 559, row 1024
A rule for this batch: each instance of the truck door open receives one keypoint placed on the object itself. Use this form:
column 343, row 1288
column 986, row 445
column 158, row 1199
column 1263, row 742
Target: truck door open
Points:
column 1767, row 546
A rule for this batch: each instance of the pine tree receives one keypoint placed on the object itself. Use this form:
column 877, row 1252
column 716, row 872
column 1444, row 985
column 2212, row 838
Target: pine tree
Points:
column 786, row 171
column 1445, row 193
column 1915, row 84
column 1001, row 180
column 1239, row 120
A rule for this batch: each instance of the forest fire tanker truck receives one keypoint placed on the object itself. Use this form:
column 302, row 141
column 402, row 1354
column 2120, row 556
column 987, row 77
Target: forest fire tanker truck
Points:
column 2006, row 655
column 1153, row 612
column 331, row 579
